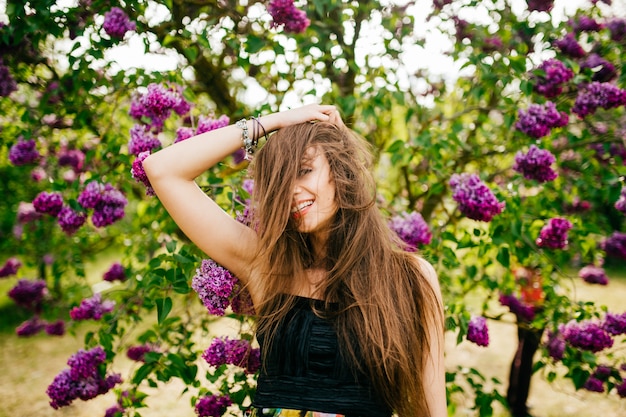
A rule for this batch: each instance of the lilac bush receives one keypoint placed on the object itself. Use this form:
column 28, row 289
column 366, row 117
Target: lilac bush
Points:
column 475, row 199
column 535, row 164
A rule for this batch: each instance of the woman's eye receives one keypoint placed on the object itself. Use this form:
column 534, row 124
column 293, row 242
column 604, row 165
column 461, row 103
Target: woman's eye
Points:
column 304, row 171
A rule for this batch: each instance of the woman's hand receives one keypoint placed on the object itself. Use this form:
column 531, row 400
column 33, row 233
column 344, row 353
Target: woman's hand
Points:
column 308, row 113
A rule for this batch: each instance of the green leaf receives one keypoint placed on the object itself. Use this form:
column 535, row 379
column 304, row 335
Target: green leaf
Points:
column 171, row 246
column 164, row 306
column 254, row 44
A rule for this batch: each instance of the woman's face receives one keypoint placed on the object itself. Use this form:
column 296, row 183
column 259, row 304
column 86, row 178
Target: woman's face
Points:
column 313, row 205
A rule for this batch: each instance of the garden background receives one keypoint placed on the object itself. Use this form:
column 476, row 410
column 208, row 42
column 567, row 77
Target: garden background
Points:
column 499, row 134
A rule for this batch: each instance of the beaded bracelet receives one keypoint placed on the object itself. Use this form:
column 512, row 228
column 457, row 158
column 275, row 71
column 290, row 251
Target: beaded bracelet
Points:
column 249, row 144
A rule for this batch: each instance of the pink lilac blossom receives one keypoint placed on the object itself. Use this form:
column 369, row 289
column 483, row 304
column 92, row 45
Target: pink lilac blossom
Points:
column 55, row 329
column 553, row 75
column 48, row 203
column 594, row 384
column 238, row 352
column 598, row 95
column 115, row 272
column 214, row 285
column 554, row 234
column 538, row 119
column 617, row 27
column 593, row 275
column 615, row 245
column 475, row 199
column 30, row 327
column 7, row 82
column 523, row 311
column 569, row 46
column 82, row 379
column 535, row 164
column 10, row 267
column 142, row 140
column 212, row 405
column 207, row 123
column 587, row 335
column 74, row 158
column 116, row 23
column 540, row 5
column 38, row 174
column 139, row 174
column 614, row 324
column 620, row 204
column 411, row 229
column 477, row 331
column 70, row 220
column 601, row 69
column 29, row 293
column 585, row 24
column 157, row 103
column 24, row 152
column 92, row 308
column 285, row 13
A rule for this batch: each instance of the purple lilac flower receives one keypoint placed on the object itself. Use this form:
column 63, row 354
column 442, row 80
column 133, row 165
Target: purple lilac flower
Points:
column 10, row 267
column 48, row 203
column 114, row 411
column 621, row 389
column 620, row 204
column 412, row 229
column 538, row 119
column 615, row 324
column 598, row 95
column 30, row 327
column 139, row 174
column 70, row 220
column 239, row 156
column 156, row 104
column 28, row 293
column 55, row 329
column 117, row 23
column 540, row 5
column 142, row 140
column 587, row 335
column 617, row 27
column 615, row 245
column 7, row 82
column 108, row 203
column 226, row 351
column 554, row 75
column 594, row 384
column 26, row 213
column 74, row 158
column 475, row 199
column 183, row 133
column 477, row 331
column 207, row 123
column 603, row 372
column 555, row 345
column 585, row 24
column 24, row 152
column 523, row 311
column 214, row 286
column 212, row 405
column 82, row 380
column 92, row 308
column 535, row 165
column 138, row 353
column 593, row 275
column 554, row 234
column 284, row 12
column 569, row 46
column 602, row 70
column 115, row 273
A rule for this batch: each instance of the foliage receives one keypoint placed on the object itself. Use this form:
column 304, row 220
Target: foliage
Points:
column 231, row 59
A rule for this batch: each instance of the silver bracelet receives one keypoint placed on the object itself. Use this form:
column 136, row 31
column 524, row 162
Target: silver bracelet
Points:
column 249, row 144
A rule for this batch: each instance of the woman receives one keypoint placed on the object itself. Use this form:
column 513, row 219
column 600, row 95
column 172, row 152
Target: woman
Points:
column 349, row 323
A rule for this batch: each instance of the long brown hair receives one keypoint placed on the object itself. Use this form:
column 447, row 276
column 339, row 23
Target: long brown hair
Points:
column 386, row 306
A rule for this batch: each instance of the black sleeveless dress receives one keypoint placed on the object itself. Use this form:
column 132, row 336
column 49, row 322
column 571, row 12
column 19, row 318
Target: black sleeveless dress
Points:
column 304, row 369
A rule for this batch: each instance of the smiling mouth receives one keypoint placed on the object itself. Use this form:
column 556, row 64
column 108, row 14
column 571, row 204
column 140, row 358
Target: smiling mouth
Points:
column 297, row 211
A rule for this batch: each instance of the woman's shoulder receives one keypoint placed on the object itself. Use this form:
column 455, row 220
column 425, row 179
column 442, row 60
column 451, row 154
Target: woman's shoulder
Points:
column 427, row 271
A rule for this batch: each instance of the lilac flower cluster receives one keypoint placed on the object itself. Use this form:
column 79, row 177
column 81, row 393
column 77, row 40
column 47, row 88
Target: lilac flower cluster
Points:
column 114, row 411
column 7, row 82
column 70, row 220
column 157, row 103
column 412, row 229
column 138, row 353
column 477, row 331
column 621, row 388
column 24, row 152
column 555, row 345
column 569, row 46
column 82, row 379
column 594, row 384
column 593, row 275
column 284, row 12
column 538, row 119
column 604, row 154
column 29, row 293
column 554, row 75
column 586, row 335
column 56, row 328
column 535, row 165
column 183, row 133
column 139, row 174
column 475, row 199
column 212, row 405
column 615, row 245
column 48, row 203
column 540, row 5
column 35, row 325
column 142, row 140
column 620, row 204
column 115, row 273
column 585, row 24
column 74, row 158
column 10, row 267
column 116, row 23
column 238, row 352
column 106, row 201
column 614, row 324
column 602, row 70
column 554, row 234
column 92, row 308
column 617, row 27
column 207, row 123
column 523, row 311
column 598, row 95
column 214, row 285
